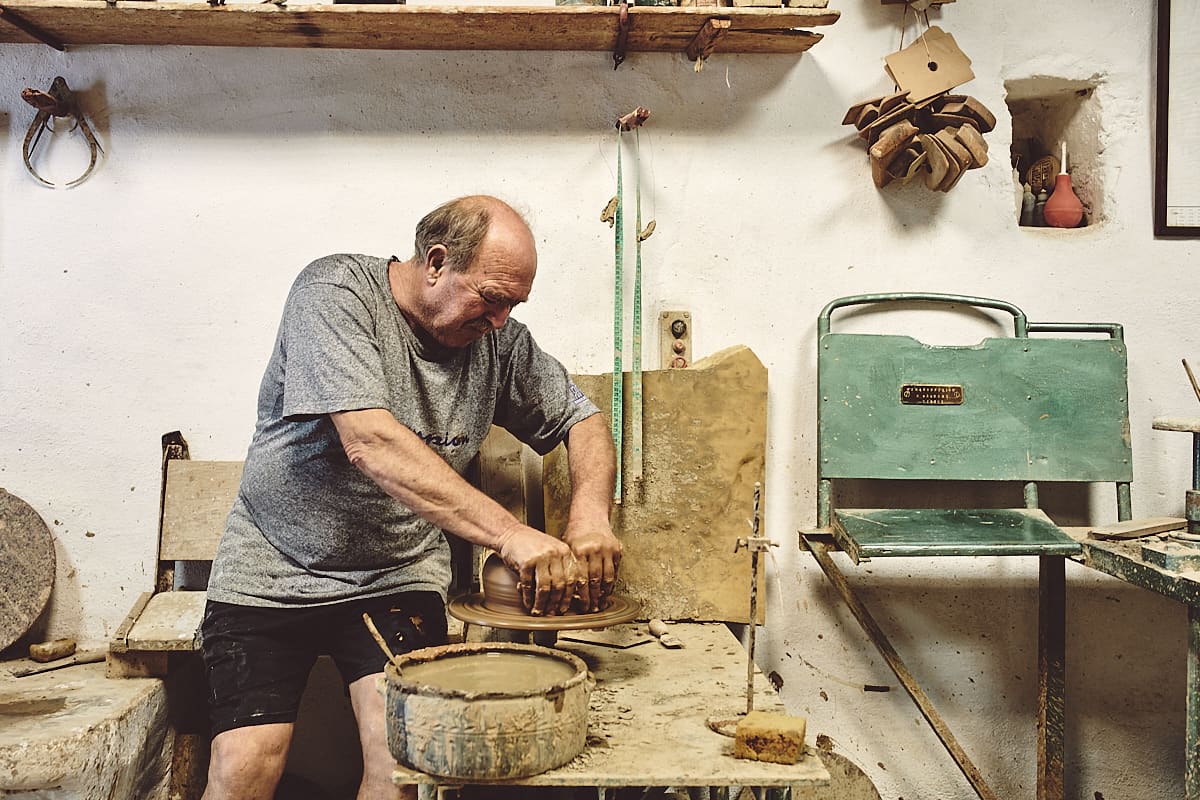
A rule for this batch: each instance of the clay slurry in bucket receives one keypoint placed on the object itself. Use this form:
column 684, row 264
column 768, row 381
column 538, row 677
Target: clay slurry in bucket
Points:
column 484, row 672
column 491, row 710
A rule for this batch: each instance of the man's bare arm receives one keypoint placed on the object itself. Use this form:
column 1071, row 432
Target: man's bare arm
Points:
column 592, row 463
column 408, row 470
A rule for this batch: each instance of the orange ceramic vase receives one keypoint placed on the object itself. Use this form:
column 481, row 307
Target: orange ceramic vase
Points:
column 1063, row 209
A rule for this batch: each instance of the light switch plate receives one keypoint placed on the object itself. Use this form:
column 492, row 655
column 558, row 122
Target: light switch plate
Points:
column 675, row 339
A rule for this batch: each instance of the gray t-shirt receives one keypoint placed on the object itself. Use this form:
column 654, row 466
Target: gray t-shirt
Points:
column 307, row 526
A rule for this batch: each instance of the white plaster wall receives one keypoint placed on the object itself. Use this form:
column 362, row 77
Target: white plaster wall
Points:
column 146, row 300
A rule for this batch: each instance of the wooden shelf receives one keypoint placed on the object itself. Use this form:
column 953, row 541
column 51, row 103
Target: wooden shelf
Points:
column 706, row 29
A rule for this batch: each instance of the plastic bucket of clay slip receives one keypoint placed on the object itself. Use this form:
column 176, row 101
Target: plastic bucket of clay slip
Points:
column 489, row 710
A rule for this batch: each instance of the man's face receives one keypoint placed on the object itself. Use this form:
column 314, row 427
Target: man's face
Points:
column 462, row 307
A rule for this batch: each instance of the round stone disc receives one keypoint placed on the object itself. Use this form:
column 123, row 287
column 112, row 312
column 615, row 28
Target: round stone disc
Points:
column 27, row 564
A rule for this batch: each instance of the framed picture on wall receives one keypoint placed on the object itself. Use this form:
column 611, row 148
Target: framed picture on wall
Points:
column 1177, row 122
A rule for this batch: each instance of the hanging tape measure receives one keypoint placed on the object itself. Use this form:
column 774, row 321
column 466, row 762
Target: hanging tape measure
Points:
column 615, row 215
column 635, row 427
column 618, row 405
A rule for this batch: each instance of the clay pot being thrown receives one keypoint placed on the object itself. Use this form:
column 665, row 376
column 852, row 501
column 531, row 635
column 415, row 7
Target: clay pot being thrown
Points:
column 486, row 711
column 500, row 593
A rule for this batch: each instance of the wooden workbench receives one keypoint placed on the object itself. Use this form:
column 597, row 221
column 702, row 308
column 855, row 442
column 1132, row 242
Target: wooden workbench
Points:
column 1123, row 560
column 647, row 724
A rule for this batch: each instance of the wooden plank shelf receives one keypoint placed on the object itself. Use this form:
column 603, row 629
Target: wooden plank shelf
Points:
column 70, row 23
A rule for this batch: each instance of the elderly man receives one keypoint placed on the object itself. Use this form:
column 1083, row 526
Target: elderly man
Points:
column 385, row 378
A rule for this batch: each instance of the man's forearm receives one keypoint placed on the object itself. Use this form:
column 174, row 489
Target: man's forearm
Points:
column 408, row 470
column 404, row 467
column 593, row 468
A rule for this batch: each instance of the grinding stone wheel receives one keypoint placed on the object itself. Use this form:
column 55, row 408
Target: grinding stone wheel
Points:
column 27, row 564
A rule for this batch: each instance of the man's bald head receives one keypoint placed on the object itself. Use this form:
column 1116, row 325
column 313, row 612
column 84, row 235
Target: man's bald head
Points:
column 461, row 225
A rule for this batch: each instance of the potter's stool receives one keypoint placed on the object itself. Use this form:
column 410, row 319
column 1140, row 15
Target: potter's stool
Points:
column 73, row 734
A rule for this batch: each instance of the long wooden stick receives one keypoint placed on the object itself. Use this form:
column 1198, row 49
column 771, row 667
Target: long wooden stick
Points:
column 79, row 657
column 1192, row 378
column 379, row 640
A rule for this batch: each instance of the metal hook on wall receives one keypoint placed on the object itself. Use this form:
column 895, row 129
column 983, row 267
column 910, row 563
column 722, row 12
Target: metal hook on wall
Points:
column 622, row 34
column 57, row 103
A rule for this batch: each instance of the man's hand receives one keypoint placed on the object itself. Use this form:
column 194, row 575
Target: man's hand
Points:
column 546, row 568
column 593, row 464
column 598, row 553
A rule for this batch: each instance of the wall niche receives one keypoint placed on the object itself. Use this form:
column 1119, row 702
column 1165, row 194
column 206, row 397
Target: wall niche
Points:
column 1046, row 113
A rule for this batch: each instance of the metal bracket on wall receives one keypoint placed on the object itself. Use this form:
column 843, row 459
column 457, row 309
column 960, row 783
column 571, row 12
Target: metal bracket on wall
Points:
column 622, row 34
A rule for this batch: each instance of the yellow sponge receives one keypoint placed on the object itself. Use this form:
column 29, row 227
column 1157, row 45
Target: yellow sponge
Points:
column 769, row 736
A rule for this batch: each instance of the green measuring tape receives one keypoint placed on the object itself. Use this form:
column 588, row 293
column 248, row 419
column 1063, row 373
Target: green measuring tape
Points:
column 635, row 424
column 618, row 405
column 618, row 397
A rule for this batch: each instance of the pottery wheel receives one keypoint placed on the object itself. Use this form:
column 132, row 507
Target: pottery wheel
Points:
column 470, row 609
column 27, row 564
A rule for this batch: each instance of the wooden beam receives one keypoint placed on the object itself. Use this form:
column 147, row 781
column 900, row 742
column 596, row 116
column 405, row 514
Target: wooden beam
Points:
column 33, row 30
column 701, row 46
column 405, row 27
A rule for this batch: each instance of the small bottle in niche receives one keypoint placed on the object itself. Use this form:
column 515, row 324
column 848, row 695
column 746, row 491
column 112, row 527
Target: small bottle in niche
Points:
column 1039, row 210
column 1027, row 203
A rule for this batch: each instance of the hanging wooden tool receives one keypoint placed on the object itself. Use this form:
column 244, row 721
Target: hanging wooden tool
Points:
column 922, row 129
column 939, row 138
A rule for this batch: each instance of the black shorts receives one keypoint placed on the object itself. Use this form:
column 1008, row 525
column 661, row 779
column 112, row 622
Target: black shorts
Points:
column 257, row 659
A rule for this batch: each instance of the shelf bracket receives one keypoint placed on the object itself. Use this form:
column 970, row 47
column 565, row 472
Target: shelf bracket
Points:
column 705, row 40
column 622, row 34
column 31, row 29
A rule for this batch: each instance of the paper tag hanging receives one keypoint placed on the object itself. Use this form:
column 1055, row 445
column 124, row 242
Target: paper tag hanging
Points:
column 929, row 66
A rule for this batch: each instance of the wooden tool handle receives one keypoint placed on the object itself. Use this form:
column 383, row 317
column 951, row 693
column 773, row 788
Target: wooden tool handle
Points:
column 892, row 141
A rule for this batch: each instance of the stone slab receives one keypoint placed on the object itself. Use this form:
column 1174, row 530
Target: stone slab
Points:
column 72, row 734
column 705, row 431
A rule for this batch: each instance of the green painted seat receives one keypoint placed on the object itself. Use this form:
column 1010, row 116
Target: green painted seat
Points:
column 1045, row 407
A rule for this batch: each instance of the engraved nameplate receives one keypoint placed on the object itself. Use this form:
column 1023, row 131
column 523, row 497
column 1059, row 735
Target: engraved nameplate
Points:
column 931, row 394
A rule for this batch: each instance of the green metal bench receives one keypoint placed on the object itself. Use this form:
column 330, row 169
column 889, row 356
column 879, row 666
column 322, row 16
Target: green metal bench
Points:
column 1014, row 410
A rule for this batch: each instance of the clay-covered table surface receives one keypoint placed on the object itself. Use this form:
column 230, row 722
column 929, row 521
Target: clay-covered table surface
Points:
column 647, row 724
column 1123, row 559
